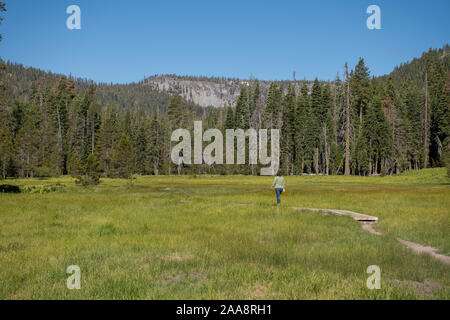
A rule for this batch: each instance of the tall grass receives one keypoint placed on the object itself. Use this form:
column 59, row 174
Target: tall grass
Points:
column 222, row 237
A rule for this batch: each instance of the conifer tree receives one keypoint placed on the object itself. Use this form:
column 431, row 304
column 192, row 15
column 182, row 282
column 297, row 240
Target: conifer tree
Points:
column 6, row 150
column 91, row 172
column 123, row 158
column 176, row 111
column 106, row 140
column 154, row 146
column 272, row 110
column 242, row 119
column 314, row 127
column 347, row 121
column 360, row 86
column 230, row 119
column 301, row 127
column 74, row 165
column 142, row 155
column 27, row 144
column 288, row 131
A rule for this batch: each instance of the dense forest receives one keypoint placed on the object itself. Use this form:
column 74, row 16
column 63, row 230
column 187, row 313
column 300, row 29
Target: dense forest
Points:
column 357, row 124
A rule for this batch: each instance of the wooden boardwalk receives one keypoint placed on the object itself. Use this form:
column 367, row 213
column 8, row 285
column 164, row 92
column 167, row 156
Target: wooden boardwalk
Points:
column 367, row 223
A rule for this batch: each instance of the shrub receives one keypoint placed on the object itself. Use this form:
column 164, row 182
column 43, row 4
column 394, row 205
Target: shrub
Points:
column 91, row 172
column 73, row 165
column 46, row 172
column 9, row 188
column 44, row 189
column 446, row 155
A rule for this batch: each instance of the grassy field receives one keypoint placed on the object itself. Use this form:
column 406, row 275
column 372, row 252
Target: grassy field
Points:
column 222, row 237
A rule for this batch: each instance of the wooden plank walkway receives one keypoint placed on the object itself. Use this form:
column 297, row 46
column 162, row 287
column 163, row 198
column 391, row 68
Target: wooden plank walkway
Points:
column 367, row 222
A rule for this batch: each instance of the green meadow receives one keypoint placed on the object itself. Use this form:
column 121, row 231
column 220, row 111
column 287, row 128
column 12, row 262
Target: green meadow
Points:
column 223, row 237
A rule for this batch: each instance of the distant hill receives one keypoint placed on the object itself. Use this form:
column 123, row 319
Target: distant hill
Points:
column 133, row 95
column 151, row 93
column 414, row 70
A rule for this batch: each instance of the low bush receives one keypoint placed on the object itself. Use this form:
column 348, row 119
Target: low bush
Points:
column 44, row 188
column 9, row 188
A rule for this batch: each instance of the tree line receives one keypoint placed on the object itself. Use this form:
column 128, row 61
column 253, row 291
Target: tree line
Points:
column 358, row 125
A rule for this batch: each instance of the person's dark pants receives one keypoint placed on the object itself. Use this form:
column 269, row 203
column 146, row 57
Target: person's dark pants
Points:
column 278, row 191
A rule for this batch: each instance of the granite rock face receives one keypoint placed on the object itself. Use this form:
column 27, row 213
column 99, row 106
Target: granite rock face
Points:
column 205, row 92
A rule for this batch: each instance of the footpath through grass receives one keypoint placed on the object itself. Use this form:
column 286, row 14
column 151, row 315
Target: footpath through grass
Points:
column 222, row 237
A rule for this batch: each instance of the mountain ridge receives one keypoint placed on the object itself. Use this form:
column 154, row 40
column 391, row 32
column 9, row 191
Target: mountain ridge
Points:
column 153, row 92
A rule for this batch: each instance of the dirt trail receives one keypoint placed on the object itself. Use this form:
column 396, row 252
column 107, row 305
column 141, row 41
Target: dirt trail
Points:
column 418, row 248
column 355, row 215
column 367, row 223
column 368, row 226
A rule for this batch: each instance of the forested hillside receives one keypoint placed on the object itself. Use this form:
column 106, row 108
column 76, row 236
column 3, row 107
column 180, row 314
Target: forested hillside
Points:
column 20, row 81
column 53, row 124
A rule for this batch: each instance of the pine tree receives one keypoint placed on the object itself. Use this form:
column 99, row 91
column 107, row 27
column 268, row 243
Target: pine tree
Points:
column 337, row 113
column 6, row 150
column 347, row 122
column 106, row 140
column 360, row 91
column 272, row 111
column 444, row 127
column 327, row 141
column 360, row 86
column 256, row 108
column 314, row 126
column 123, row 158
column 62, row 100
column 90, row 172
column 412, row 100
column 377, row 137
column 74, row 165
column 395, row 116
column 176, row 111
column 27, row 143
column 301, row 129
column 142, row 148
column 230, row 119
column 288, row 131
column 154, row 146
column 439, row 115
column 242, row 118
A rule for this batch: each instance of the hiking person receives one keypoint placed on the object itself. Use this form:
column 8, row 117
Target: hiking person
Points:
column 278, row 183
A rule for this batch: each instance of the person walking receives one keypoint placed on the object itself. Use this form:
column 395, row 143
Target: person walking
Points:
column 278, row 183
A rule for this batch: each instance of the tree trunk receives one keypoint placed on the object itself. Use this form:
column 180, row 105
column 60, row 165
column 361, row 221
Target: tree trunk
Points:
column 335, row 117
column 360, row 119
column 316, row 160
column 347, row 126
column 426, row 126
column 92, row 137
column 327, row 158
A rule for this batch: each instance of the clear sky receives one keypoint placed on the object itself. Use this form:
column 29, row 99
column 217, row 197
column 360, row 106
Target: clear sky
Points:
column 125, row 40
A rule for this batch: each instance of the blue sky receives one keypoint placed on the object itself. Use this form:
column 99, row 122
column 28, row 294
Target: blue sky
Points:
column 123, row 41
